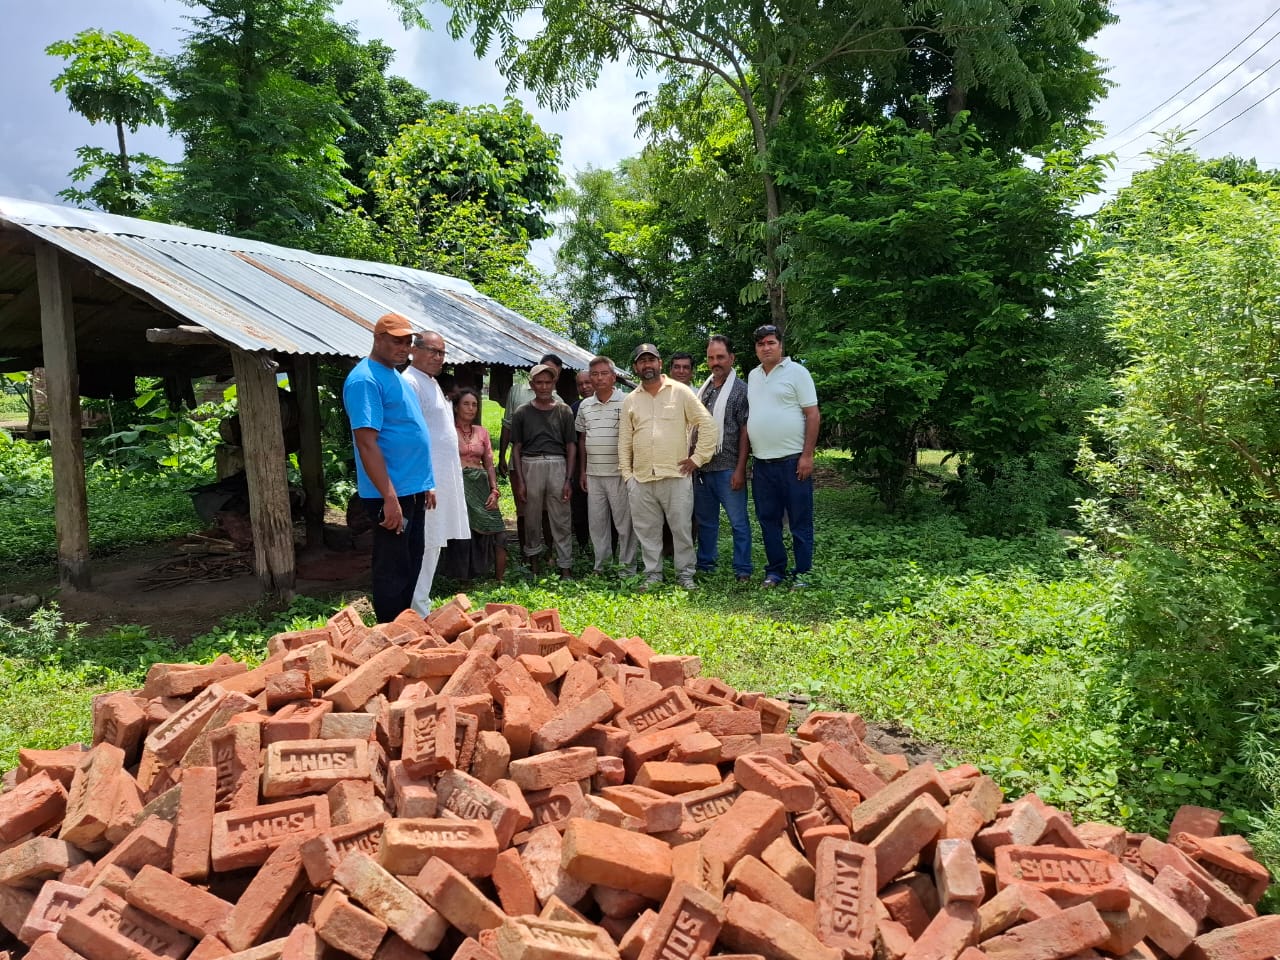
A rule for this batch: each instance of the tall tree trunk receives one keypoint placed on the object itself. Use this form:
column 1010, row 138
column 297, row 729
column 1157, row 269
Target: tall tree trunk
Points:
column 126, row 181
column 772, row 262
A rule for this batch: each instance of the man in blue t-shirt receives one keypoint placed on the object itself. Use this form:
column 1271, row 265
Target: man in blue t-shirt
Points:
column 393, row 463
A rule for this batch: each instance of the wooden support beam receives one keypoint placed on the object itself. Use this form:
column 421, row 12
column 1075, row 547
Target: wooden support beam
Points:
column 62, row 385
column 264, row 464
column 182, row 336
column 305, row 384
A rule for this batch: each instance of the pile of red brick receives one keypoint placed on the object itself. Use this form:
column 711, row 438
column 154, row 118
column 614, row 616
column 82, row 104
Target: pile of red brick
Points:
column 486, row 785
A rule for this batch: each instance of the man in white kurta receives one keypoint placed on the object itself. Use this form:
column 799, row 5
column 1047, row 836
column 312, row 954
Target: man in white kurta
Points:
column 448, row 521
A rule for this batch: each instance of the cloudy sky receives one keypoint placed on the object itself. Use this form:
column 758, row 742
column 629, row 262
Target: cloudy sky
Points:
column 1157, row 48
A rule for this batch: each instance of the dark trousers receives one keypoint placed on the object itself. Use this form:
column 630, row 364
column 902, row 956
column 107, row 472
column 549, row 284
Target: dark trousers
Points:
column 779, row 494
column 397, row 557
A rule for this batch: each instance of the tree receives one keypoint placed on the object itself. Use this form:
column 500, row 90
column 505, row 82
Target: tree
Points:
column 926, row 272
column 771, row 58
column 261, row 157
column 1187, row 463
column 497, row 158
column 112, row 77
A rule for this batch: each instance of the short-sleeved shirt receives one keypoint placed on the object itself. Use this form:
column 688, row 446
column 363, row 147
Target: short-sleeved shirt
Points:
column 377, row 397
column 775, row 423
column 472, row 449
column 543, row 433
column 597, row 421
column 735, row 418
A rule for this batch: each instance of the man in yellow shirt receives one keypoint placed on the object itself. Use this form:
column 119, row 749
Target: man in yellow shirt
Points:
column 655, row 463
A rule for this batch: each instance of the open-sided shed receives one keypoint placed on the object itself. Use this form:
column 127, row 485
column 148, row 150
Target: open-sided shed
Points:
column 98, row 299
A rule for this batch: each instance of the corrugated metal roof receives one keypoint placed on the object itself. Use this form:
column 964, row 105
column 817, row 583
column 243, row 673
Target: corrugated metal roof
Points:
column 259, row 296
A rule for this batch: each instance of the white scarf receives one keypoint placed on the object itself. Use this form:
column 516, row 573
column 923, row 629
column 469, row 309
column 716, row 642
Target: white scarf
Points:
column 722, row 403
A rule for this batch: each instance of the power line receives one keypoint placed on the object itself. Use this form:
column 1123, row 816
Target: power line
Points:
column 1243, row 87
column 1226, row 76
column 1196, row 78
column 1256, row 103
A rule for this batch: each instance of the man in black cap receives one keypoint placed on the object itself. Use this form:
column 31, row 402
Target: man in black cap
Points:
column 656, row 465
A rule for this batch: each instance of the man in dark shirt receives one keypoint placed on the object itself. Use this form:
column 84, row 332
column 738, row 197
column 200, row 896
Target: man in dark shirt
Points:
column 543, row 457
column 723, row 481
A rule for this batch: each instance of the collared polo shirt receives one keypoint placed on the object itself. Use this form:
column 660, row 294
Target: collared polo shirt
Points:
column 597, row 421
column 775, row 423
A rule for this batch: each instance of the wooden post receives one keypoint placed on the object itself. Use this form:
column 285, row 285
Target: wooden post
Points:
column 304, row 382
column 264, row 462
column 62, row 383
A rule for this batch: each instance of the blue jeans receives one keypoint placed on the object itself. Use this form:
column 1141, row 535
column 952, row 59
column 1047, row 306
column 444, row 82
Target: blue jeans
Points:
column 779, row 494
column 711, row 491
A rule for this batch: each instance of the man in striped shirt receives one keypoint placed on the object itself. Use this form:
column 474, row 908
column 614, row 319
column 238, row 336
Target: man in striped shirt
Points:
column 598, row 475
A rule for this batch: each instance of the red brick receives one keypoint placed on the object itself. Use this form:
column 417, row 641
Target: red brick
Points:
column 750, row 825
column 756, row 927
column 843, row 767
column 668, row 707
column 1014, row 904
column 1067, row 875
column 598, row 853
column 546, row 770
column 351, row 801
column 1247, row 878
column 15, row 905
column 513, row 885
column 470, row 846
column 354, row 690
column 300, row 720
column 902, row 839
column 844, row 891
column 1225, row 907
column 105, row 927
column 1126, row 927
column 430, row 738
column 774, row 778
column 407, row 796
column 787, row 862
column 120, row 719
column 390, row 901
column 1182, row 890
column 541, row 856
column 555, row 805
column 1102, row 836
column 50, row 906
column 245, row 838
column 92, row 798
column 294, row 767
column 951, row 931
column 193, row 825
column 170, row 740
column 1255, row 939
column 344, row 926
column 149, row 842
column 235, row 756
column 1198, row 821
column 676, row 778
column 49, row 947
column 1169, row 926
column 750, row 876
column 31, row 806
column 269, row 894
column 59, row 764
column 955, row 870
column 1063, row 934
column 567, row 726
column 658, row 811
column 464, row 795
column 531, row 938
column 30, row 863
column 686, row 927
column 184, row 907
column 457, row 899
column 874, row 813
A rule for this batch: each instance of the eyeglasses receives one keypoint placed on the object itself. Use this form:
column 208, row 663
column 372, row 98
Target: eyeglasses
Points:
column 434, row 351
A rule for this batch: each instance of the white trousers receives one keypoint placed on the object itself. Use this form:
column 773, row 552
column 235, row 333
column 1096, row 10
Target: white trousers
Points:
column 422, row 590
column 608, row 509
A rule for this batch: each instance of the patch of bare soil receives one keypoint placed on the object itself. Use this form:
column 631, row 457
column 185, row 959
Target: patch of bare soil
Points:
column 884, row 737
column 125, row 589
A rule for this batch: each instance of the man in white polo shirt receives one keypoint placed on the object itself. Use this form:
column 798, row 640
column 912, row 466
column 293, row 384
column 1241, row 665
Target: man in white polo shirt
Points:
column 783, row 428
column 607, row 508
